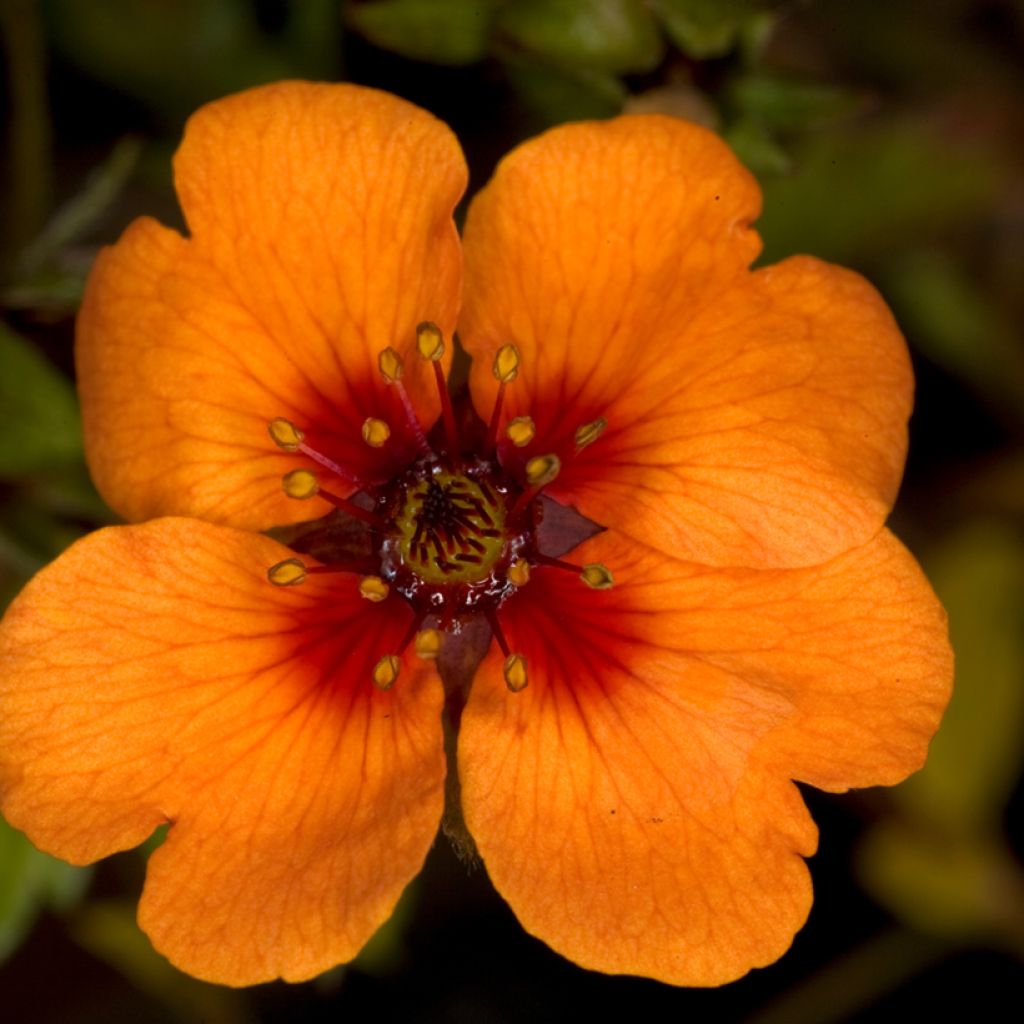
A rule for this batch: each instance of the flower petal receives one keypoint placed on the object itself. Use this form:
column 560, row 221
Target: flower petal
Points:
column 321, row 221
column 754, row 419
column 633, row 804
column 152, row 675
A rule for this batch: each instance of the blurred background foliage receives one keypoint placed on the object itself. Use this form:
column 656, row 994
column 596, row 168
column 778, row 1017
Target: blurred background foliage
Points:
column 888, row 137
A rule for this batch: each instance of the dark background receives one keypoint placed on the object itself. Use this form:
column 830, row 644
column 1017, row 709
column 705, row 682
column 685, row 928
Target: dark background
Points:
column 887, row 137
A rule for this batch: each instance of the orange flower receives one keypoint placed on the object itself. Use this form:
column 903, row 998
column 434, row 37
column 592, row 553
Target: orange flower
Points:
column 740, row 434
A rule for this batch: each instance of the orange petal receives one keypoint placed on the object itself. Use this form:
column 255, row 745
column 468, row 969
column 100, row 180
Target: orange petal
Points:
column 321, row 233
column 755, row 419
column 153, row 675
column 633, row 804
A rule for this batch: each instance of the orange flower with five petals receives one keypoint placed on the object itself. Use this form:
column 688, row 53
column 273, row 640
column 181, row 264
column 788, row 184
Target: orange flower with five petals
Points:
column 738, row 434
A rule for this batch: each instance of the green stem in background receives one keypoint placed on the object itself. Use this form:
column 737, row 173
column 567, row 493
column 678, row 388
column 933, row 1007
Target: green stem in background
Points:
column 30, row 183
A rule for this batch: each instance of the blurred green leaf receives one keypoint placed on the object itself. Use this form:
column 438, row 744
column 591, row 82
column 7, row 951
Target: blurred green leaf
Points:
column 108, row 930
column 757, row 148
column 143, row 48
column 41, row 423
column 554, row 95
column 611, row 36
column 950, row 888
column 29, row 882
column 704, row 28
column 81, row 213
column 976, row 757
column 440, row 31
column 855, row 196
column 958, row 326
column 785, row 103
column 386, row 950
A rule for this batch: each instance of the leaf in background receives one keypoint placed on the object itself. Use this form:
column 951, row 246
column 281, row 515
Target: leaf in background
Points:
column 173, row 56
column 611, row 36
column 704, row 28
column 964, row 888
column 757, row 149
column 108, row 930
column 976, row 757
column 854, row 197
column 29, row 882
column 439, row 31
column 786, row 104
column 958, row 326
column 41, row 422
column 554, row 95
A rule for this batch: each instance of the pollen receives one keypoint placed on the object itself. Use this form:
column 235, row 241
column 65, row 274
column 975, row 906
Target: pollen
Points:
column 506, row 364
column 375, row 432
column 597, row 576
column 429, row 341
column 300, row 484
column 385, row 672
column 374, row 589
column 542, row 469
column 428, row 643
column 390, row 363
column 285, row 434
column 519, row 573
column 590, row 432
column 521, row 431
column 516, row 677
column 289, row 573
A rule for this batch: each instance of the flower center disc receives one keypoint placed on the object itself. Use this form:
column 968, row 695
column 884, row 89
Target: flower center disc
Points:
column 451, row 528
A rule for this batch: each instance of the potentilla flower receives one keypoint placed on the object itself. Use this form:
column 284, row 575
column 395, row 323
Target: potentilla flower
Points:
column 629, row 744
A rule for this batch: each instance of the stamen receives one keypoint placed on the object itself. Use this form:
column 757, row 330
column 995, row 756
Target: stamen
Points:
column 505, row 369
column 289, row 573
column 519, row 573
column 506, row 364
column 285, row 434
column 390, row 363
column 385, row 672
column 429, row 341
column 430, row 345
column 374, row 589
column 375, row 432
column 300, row 484
column 428, row 643
column 516, row 678
column 289, row 438
column 597, row 576
column 521, row 431
column 499, row 633
column 540, row 471
column 303, row 484
column 590, row 432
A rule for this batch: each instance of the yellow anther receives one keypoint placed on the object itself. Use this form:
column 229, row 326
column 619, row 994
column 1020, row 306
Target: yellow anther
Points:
column 521, row 431
column 390, row 363
column 428, row 643
column 289, row 573
column 374, row 589
column 429, row 341
column 506, row 364
column 590, row 432
column 285, row 434
column 385, row 672
column 519, row 573
column 597, row 576
column 542, row 469
column 375, row 432
column 515, row 673
column 300, row 483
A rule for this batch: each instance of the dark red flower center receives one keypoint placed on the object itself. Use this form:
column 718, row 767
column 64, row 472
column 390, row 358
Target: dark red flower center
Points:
column 454, row 533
